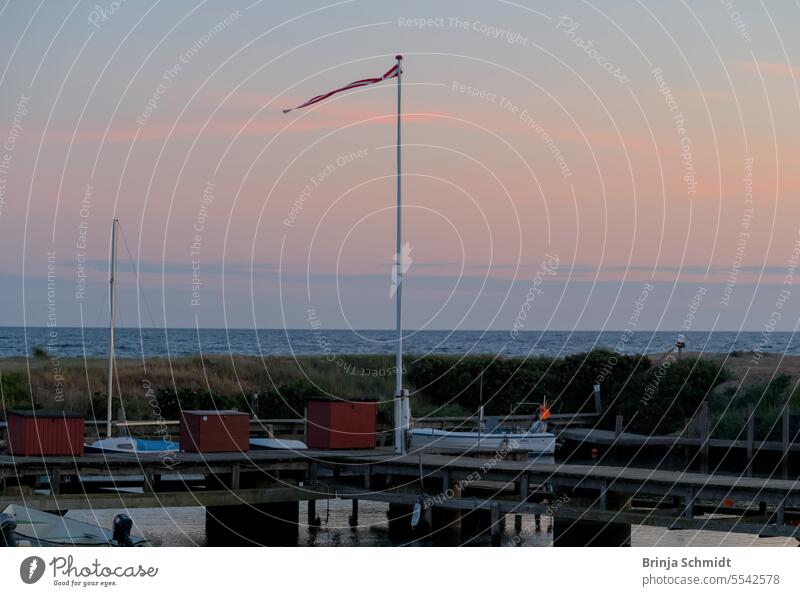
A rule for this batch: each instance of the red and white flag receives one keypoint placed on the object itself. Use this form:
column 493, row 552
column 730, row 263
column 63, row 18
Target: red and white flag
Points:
column 390, row 74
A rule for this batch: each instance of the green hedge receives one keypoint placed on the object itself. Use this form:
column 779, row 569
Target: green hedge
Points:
column 653, row 397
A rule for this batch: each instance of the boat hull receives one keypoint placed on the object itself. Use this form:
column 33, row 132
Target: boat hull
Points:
column 262, row 443
column 39, row 528
column 430, row 439
column 130, row 445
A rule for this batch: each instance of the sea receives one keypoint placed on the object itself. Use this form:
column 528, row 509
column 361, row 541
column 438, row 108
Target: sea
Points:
column 92, row 342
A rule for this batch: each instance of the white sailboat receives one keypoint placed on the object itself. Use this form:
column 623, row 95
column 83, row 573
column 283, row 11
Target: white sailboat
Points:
column 123, row 444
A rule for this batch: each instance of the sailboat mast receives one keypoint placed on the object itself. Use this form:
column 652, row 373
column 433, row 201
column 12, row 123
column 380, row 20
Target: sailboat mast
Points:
column 113, row 300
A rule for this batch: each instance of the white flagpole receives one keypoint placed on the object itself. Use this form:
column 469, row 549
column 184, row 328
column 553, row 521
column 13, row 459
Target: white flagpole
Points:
column 399, row 425
column 112, row 323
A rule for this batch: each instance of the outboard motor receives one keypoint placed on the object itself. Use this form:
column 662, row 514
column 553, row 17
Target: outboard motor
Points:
column 122, row 530
column 7, row 527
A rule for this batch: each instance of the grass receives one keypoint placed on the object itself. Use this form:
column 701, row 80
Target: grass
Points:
column 34, row 383
column 283, row 384
column 769, row 399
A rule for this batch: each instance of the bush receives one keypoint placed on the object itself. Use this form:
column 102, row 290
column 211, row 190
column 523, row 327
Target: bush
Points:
column 40, row 353
column 769, row 400
column 15, row 391
column 287, row 401
column 507, row 383
column 661, row 399
column 171, row 402
column 576, row 375
column 515, row 384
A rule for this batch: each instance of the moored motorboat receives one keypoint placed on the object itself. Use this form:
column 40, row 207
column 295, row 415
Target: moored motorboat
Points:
column 491, row 437
column 431, row 439
column 32, row 527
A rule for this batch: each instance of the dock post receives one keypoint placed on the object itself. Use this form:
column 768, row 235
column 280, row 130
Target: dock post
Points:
column 313, row 520
column 55, row 481
column 524, row 487
column 150, row 480
column 598, row 401
column 354, row 515
column 618, row 426
column 751, row 434
column 496, row 524
column 785, row 443
column 474, row 522
column 688, row 507
column 445, row 522
column 399, row 517
column 780, row 514
column 705, row 429
column 272, row 524
column 586, row 532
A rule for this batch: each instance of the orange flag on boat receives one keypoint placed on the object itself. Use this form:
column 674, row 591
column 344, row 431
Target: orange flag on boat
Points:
column 544, row 411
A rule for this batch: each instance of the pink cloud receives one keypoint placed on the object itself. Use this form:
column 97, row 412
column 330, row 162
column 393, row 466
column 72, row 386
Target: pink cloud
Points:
column 222, row 128
column 773, row 68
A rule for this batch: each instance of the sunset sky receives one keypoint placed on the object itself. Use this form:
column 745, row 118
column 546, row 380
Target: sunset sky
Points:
column 635, row 144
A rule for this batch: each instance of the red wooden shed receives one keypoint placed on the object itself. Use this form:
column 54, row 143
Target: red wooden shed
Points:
column 45, row 432
column 214, row 431
column 341, row 424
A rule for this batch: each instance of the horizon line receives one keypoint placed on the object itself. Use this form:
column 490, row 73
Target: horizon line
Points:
column 393, row 330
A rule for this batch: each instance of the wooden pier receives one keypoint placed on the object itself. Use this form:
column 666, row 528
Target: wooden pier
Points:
column 590, row 504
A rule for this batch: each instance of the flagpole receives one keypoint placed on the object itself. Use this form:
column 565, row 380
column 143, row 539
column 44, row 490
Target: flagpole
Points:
column 402, row 409
column 399, row 406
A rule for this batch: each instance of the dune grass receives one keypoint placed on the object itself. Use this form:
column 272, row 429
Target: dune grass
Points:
column 440, row 385
column 82, row 385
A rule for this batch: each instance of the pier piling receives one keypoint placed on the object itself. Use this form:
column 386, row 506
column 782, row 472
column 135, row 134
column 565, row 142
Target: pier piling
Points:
column 583, row 532
column 313, row 520
column 272, row 524
column 496, row 526
column 399, row 517
column 354, row 515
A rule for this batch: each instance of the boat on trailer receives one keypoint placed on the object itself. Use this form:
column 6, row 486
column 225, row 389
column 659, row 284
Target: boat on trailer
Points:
column 26, row 526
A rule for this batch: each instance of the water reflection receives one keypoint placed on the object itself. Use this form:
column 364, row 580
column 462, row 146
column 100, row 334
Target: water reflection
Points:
column 185, row 526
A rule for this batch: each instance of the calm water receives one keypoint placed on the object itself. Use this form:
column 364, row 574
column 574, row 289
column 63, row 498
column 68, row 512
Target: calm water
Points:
column 93, row 342
column 185, row 526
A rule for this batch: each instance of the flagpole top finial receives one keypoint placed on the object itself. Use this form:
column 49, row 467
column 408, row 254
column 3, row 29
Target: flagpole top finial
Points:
column 398, row 57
